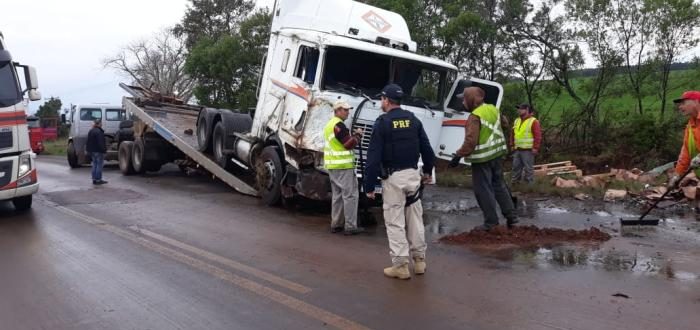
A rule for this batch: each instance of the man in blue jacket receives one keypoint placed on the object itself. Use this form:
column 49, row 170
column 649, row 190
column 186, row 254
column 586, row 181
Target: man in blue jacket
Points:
column 398, row 140
column 97, row 148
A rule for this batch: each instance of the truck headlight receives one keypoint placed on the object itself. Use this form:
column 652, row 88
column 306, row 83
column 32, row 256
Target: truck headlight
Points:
column 25, row 165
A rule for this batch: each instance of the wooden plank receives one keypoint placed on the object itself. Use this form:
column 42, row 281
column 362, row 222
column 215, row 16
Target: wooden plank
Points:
column 578, row 173
column 558, row 169
column 550, row 165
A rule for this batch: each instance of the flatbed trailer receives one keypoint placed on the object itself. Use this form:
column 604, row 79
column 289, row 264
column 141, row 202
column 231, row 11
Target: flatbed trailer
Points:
column 176, row 124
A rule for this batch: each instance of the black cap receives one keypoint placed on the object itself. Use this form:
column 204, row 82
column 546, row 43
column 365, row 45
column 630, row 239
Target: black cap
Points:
column 392, row 91
column 524, row 106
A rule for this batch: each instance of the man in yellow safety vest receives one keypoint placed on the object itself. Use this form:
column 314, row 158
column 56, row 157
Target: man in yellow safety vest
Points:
column 525, row 143
column 689, row 158
column 339, row 160
column 484, row 147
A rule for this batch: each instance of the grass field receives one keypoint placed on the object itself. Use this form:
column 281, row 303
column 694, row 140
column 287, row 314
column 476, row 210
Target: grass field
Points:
column 56, row 147
column 618, row 101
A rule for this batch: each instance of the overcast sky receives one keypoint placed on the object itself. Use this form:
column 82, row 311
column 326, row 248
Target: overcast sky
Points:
column 67, row 39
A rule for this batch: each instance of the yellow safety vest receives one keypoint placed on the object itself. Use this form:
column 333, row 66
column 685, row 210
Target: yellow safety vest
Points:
column 692, row 148
column 522, row 133
column 335, row 156
column 492, row 143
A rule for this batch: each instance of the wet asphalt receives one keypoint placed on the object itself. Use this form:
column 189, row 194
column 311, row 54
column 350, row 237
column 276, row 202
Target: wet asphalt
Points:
column 170, row 251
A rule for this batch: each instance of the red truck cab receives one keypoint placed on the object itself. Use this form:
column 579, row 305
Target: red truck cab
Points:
column 36, row 134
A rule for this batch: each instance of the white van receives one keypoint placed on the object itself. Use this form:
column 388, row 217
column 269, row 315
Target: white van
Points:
column 81, row 119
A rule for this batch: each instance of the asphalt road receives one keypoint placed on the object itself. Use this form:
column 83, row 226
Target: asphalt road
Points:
column 168, row 251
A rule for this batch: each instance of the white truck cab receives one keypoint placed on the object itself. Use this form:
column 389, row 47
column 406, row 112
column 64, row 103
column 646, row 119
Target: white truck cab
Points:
column 321, row 51
column 81, row 118
column 18, row 176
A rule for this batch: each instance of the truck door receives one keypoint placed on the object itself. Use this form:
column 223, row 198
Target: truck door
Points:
column 452, row 133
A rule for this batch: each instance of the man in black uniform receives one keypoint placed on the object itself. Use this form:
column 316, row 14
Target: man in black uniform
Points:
column 397, row 141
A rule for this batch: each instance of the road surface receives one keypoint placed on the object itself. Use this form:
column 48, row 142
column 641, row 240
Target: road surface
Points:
column 169, row 251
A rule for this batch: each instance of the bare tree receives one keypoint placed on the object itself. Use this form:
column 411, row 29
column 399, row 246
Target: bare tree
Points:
column 676, row 24
column 157, row 63
column 632, row 25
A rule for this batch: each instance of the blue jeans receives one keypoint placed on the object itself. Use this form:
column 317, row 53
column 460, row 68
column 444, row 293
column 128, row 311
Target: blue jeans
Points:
column 98, row 160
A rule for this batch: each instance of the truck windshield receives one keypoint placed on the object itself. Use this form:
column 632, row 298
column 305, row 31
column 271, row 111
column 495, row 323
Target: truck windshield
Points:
column 359, row 72
column 9, row 89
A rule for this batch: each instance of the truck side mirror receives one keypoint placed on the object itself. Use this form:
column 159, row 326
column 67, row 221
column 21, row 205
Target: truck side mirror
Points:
column 31, row 77
column 63, row 118
column 34, row 95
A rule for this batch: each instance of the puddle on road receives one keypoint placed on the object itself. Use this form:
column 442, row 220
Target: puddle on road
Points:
column 447, row 218
column 579, row 257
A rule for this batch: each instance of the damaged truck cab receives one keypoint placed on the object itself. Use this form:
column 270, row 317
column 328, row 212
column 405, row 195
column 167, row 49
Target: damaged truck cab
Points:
column 321, row 51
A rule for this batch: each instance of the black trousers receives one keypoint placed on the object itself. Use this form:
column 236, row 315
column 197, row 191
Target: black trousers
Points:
column 490, row 189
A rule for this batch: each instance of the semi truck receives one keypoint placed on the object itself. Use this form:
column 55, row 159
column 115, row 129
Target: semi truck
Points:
column 319, row 51
column 18, row 176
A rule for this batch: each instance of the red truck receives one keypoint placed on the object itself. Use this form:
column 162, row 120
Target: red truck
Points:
column 36, row 134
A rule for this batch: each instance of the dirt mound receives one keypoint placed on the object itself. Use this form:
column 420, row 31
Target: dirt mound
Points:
column 526, row 236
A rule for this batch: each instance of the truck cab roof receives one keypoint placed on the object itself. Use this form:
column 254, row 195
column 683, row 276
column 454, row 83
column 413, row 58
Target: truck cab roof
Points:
column 350, row 19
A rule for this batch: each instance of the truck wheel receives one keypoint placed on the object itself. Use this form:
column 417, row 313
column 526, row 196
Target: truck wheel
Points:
column 203, row 137
column 137, row 156
column 126, row 150
column 22, row 203
column 72, row 156
column 270, row 175
column 219, row 143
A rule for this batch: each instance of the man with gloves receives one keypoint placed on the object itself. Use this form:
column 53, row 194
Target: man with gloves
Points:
column 689, row 158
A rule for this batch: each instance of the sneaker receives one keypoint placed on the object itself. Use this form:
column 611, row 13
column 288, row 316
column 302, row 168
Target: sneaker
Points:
column 100, row 182
column 511, row 222
column 354, row 231
column 400, row 272
column 484, row 227
column 94, row 182
column 419, row 265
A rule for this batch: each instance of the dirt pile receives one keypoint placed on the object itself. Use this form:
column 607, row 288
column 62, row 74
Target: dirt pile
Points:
column 526, row 236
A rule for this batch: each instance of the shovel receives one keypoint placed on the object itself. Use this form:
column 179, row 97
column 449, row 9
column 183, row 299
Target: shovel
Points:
column 653, row 221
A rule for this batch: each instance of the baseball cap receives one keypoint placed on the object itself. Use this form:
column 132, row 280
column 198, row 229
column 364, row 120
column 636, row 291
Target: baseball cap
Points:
column 340, row 104
column 524, row 106
column 688, row 95
column 392, row 91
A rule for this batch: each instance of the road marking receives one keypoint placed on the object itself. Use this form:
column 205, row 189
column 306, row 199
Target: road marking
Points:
column 307, row 309
column 225, row 261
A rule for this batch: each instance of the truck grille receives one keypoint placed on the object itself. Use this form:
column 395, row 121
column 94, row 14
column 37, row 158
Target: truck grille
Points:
column 6, row 140
column 5, row 172
column 364, row 144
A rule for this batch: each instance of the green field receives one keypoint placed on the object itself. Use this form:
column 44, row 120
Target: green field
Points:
column 617, row 102
column 56, row 147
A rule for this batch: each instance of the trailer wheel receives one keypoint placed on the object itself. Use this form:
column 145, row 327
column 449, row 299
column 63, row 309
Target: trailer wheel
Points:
column 72, row 156
column 137, row 156
column 22, row 203
column 203, row 137
column 219, row 145
column 126, row 149
column 270, row 176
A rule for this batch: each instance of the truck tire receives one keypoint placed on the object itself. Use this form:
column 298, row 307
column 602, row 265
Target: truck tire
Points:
column 219, row 145
column 138, row 156
column 270, row 175
column 72, row 156
column 203, row 136
column 126, row 150
column 22, row 203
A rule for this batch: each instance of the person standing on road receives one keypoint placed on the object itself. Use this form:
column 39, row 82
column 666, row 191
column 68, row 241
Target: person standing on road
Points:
column 525, row 143
column 97, row 148
column 484, row 147
column 339, row 160
column 689, row 158
column 398, row 140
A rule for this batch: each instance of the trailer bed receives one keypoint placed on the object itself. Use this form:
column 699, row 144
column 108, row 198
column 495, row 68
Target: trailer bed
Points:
column 171, row 123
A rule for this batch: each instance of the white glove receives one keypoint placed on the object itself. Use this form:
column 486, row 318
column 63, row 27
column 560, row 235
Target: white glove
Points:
column 673, row 182
column 695, row 162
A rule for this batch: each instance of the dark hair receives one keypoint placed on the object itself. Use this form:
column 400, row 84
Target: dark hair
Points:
column 392, row 101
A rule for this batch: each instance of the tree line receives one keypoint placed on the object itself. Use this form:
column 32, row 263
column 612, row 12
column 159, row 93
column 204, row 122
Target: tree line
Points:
column 214, row 53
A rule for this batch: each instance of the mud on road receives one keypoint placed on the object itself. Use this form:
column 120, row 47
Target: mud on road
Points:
column 528, row 236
